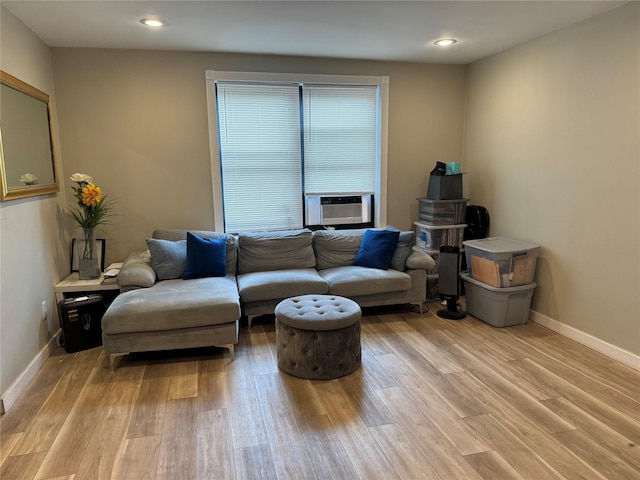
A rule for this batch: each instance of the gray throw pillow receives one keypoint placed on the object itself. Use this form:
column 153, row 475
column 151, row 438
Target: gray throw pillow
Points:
column 168, row 258
column 405, row 246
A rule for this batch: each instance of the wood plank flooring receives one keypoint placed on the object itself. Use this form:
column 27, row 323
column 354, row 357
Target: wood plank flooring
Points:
column 434, row 399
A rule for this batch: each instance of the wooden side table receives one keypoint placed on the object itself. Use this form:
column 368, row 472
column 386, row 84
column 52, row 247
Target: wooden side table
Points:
column 73, row 286
column 76, row 338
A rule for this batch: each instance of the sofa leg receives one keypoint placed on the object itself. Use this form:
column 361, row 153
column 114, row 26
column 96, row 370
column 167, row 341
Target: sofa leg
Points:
column 250, row 319
column 420, row 306
column 113, row 357
column 231, row 349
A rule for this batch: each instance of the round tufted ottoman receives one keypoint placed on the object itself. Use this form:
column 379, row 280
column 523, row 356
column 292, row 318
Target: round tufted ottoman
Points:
column 318, row 336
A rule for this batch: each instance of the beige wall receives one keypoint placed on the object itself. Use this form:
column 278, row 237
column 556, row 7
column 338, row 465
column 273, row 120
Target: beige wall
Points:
column 33, row 255
column 552, row 149
column 137, row 122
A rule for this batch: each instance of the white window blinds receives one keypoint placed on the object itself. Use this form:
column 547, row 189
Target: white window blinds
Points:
column 259, row 138
column 340, row 138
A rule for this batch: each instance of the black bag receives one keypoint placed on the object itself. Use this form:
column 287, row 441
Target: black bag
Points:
column 477, row 220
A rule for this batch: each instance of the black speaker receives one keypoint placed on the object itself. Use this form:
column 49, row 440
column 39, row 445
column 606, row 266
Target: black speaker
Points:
column 449, row 282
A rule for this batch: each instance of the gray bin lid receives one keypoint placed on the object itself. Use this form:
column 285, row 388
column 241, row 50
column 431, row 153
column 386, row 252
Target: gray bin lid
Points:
column 500, row 245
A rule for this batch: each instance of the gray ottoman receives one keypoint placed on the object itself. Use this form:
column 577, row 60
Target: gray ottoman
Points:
column 318, row 336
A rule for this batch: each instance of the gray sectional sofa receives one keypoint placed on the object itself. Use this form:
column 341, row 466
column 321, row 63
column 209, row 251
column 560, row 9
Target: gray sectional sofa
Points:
column 159, row 310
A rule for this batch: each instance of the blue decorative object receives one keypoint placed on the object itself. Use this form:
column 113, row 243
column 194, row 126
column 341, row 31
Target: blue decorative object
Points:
column 206, row 257
column 453, row 168
column 377, row 248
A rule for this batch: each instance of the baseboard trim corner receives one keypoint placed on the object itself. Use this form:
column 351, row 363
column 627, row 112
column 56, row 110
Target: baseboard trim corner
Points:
column 20, row 384
column 616, row 353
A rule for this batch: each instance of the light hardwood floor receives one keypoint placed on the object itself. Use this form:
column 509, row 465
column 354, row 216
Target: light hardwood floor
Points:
column 433, row 399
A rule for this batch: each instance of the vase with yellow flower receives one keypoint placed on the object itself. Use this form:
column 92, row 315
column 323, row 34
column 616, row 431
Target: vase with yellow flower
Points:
column 92, row 211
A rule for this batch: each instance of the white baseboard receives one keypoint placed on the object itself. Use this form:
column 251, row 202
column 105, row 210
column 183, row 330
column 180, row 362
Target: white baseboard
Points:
column 20, row 384
column 616, row 353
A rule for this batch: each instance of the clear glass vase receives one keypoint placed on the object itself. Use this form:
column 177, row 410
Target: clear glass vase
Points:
column 87, row 254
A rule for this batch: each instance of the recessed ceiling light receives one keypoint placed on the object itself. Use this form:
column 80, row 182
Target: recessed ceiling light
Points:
column 151, row 22
column 445, row 42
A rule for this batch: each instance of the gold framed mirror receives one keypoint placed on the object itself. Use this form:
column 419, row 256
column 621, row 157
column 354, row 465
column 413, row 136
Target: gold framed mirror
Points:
column 27, row 149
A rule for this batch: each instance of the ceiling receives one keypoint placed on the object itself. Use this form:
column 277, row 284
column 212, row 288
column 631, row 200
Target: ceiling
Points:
column 365, row 29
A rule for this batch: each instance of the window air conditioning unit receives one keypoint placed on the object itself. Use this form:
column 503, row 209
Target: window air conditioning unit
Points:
column 337, row 209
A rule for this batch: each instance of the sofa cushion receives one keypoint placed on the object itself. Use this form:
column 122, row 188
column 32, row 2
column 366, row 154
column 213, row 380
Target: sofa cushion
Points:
column 336, row 248
column 231, row 242
column 353, row 281
column 168, row 258
column 280, row 250
column 376, row 249
column 274, row 285
column 174, row 304
column 206, row 257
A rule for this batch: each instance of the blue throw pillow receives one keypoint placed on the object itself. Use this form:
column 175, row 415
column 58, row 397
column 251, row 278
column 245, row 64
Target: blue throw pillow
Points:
column 376, row 249
column 206, row 257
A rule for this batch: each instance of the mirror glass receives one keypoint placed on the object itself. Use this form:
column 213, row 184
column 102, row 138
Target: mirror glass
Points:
column 27, row 153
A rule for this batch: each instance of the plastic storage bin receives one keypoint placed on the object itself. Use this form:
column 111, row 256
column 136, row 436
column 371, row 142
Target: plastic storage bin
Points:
column 500, row 261
column 432, row 237
column 442, row 212
column 500, row 307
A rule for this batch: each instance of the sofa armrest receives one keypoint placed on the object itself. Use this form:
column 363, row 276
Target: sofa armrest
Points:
column 136, row 272
column 419, row 260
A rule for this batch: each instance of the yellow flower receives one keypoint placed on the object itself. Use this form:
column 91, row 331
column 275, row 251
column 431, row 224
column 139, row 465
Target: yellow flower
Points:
column 91, row 195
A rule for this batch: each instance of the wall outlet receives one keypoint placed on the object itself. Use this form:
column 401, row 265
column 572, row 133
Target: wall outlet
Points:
column 44, row 310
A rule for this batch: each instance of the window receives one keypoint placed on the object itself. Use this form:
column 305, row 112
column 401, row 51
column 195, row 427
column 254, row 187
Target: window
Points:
column 275, row 138
column 260, row 156
column 340, row 139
